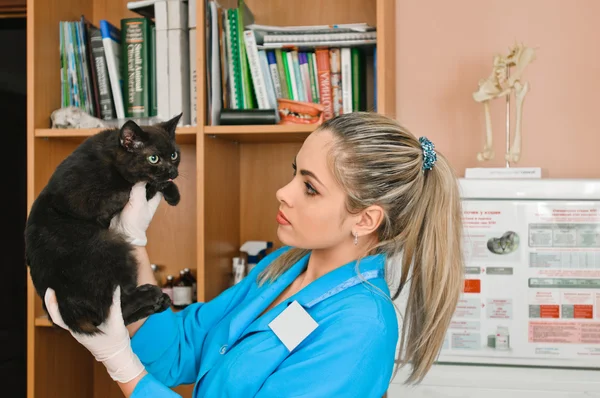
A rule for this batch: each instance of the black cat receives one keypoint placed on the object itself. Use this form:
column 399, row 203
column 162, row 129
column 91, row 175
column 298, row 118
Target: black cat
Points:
column 68, row 245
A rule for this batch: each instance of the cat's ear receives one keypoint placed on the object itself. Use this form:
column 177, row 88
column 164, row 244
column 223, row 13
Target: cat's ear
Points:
column 132, row 136
column 170, row 125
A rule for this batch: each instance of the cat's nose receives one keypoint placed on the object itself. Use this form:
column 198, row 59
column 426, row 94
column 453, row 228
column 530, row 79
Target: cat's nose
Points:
column 173, row 173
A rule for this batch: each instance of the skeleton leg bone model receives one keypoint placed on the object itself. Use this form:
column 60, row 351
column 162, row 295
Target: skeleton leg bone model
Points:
column 497, row 85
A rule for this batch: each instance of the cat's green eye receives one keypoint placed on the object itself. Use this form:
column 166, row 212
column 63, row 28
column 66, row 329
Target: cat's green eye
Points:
column 153, row 159
column 174, row 156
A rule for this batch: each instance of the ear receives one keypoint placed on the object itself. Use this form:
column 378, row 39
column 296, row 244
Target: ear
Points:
column 131, row 136
column 171, row 125
column 368, row 220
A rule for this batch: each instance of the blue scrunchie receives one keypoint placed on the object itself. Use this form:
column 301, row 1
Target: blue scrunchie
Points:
column 429, row 155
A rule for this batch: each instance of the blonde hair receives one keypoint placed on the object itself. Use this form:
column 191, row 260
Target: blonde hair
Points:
column 378, row 162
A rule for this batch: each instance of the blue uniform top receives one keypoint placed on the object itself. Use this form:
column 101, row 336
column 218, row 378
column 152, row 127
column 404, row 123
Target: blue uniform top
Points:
column 228, row 350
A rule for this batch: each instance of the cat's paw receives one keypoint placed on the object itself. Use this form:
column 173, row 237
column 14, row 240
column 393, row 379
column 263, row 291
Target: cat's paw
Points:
column 151, row 190
column 163, row 303
column 171, row 194
column 143, row 301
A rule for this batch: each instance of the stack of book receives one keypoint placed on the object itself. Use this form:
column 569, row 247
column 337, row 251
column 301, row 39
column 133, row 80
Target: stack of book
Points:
column 145, row 67
column 253, row 67
column 138, row 68
column 106, row 70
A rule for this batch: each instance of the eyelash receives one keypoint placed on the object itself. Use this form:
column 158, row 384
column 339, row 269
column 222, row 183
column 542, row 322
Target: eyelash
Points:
column 310, row 190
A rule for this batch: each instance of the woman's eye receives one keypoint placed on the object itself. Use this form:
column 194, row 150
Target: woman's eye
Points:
column 310, row 190
column 174, row 156
column 153, row 159
column 294, row 167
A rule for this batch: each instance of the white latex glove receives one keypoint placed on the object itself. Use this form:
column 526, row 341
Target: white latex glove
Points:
column 112, row 347
column 134, row 219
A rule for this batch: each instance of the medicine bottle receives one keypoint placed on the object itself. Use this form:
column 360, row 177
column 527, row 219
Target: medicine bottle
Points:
column 182, row 291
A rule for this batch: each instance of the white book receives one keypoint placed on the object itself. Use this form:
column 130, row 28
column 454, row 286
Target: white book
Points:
column 266, row 72
column 260, row 88
column 295, row 65
column 177, row 12
column 215, row 65
column 314, row 44
column 351, row 27
column 111, row 39
column 305, row 78
column 179, row 74
column 162, row 60
column 179, row 60
column 346, row 80
column 192, row 45
column 503, row 172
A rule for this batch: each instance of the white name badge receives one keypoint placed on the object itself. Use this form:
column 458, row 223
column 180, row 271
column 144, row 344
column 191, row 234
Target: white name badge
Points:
column 293, row 325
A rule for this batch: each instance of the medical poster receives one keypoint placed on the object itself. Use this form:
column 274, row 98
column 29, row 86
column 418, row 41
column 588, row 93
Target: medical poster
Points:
column 531, row 294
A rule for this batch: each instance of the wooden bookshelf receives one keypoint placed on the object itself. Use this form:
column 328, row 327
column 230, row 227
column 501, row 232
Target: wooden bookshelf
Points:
column 228, row 174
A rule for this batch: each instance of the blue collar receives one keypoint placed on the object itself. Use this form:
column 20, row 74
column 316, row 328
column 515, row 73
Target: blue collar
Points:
column 245, row 319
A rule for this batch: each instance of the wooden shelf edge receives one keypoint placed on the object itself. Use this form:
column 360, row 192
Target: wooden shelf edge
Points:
column 185, row 134
column 43, row 321
column 261, row 129
column 76, row 133
column 261, row 133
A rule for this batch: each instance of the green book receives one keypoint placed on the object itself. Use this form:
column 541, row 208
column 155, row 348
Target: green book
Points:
column 135, row 64
column 359, row 80
column 288, row 78
column 314, row 89
column 247, row 86
column 281, row 71
column 236, row 79
column 153, row 83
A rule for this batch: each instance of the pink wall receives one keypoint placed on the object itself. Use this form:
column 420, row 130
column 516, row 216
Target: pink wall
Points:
column 445, row 47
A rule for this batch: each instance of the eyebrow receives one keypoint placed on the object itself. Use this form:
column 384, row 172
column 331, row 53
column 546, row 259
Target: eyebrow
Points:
column 308, row 173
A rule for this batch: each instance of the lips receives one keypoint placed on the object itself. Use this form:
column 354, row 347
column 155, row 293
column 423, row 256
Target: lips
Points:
column 281, row 219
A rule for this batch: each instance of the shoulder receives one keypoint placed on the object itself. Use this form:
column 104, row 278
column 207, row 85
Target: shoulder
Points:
column 365, row 312
column 369, row 303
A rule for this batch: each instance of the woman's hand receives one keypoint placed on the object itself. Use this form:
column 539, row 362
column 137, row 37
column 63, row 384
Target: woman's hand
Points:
column 134, row 219
column 112, row 347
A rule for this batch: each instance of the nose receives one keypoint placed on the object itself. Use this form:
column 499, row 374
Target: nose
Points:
column 173, row 173
column 283, row 195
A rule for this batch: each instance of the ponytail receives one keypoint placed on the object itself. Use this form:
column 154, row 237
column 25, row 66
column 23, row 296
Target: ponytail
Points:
column 432, row 260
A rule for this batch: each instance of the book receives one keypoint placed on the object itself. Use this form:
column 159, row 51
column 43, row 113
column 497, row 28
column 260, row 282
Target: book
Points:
column 137, row 70
column 111, row 40
column 100, row 71
column 179, row 61
column 346, row 70
column 324, row 82
column 274, row 71
column 270, row 86
column 335, row 66
column 152, row 83
column 258, row 81
column 359, row 83
column 86, row 28
column 162, row 60
column 193, row 66
column 213, row 63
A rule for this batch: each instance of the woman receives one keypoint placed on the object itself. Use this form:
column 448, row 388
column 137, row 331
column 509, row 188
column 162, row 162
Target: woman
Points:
column 369, row 207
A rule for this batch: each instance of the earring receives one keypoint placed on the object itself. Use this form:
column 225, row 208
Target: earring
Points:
column 355, row 238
